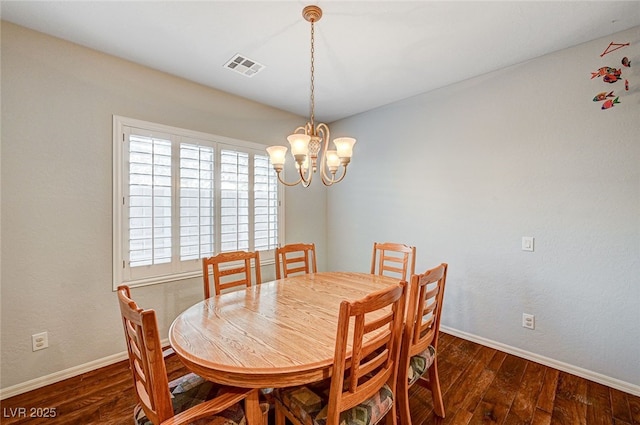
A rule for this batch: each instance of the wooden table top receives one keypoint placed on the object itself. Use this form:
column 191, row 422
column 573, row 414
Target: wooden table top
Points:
column 275, row 334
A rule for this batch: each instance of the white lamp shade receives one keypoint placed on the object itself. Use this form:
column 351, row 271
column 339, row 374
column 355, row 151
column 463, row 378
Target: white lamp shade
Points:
column 344, row 146
column 299, row 143
column 333, row 160
column 277, row 154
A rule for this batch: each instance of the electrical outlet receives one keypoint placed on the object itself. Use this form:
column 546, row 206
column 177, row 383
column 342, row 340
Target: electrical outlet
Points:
column 528, row 321
column 39, row 341
column 527, row 243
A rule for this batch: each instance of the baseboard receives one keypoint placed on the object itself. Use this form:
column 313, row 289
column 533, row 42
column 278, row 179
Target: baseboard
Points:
column 565, row 367
column 65, row 374
column 626, row 387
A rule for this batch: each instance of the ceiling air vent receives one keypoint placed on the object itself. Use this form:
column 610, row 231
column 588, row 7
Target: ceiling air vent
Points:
column 244, row 65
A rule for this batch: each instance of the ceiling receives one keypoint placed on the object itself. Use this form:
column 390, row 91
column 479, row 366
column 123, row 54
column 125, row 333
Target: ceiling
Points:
column 367, row 53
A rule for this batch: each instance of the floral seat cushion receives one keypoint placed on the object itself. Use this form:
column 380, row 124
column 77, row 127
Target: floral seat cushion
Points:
column 191, row 390
column 419, row 363
column 310, row 403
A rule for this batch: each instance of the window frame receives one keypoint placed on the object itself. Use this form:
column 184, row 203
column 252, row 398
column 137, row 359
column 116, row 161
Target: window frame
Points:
column 120, row 231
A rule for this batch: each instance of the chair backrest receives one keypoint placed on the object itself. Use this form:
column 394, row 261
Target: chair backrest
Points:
column 295, row 258
column 393, row 258
column 234, row 275
column 377, row 322
column 424, row 310
column 145, row 358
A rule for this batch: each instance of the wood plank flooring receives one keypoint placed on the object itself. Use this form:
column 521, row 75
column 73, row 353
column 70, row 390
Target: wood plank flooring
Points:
column 480, row 386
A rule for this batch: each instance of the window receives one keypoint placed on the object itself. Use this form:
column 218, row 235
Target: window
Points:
column 180, row 196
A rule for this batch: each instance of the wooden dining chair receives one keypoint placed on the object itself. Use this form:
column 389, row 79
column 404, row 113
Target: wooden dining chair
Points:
column 181, row 401
column 420, row 340
column 361, row 389
column 394, row 258
column 236, row 273
column 295, row 258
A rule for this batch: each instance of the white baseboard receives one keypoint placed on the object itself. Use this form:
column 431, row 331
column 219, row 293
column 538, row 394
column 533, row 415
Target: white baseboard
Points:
column 65, row 374
column 60, row 376
column 565, row 367
column 626, row 387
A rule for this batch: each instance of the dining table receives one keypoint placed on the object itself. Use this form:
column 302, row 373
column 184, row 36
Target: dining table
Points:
column 275, row 334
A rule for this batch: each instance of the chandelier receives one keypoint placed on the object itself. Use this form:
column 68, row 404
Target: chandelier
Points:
column 307, row 141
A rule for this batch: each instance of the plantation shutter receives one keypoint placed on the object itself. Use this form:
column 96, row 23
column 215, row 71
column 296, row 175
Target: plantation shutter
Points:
column 197, row 201
column 265, row 204
column 149, row 200
column 180, row 196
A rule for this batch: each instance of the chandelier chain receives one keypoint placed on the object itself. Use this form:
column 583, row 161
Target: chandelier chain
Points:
column 312, row 76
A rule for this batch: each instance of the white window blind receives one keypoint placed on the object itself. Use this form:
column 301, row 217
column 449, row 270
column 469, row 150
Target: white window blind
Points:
column 180, row 196
column 234, row 200
column 265, row 203
column 149, row 200
column 197, row 201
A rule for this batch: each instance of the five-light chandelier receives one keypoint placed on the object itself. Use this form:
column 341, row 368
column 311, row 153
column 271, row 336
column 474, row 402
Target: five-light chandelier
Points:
column 307, row 141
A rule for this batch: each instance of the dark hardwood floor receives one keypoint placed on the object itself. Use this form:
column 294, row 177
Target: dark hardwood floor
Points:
column 480, row 386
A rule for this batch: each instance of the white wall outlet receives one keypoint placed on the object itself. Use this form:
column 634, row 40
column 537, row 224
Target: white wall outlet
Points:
column 528, row 321
column 527, row 243
column 39, row 341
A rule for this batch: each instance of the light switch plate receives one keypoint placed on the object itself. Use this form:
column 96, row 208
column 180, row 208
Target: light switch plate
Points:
column 527, row 243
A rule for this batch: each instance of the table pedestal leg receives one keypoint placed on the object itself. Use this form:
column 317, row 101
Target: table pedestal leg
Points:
column 254, row 413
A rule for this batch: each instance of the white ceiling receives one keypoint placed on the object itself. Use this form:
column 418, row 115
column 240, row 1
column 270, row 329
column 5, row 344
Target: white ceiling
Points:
column 368, row 53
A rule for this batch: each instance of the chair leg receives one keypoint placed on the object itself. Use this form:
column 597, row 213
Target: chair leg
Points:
column 392, row 418
column 402, row 391
column 434, row 383
column 279, row 415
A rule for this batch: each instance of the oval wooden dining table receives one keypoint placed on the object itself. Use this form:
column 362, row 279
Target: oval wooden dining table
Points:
column 275, row 334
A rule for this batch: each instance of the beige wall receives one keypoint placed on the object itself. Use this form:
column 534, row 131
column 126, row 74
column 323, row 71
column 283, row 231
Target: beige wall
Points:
column 57, row 105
